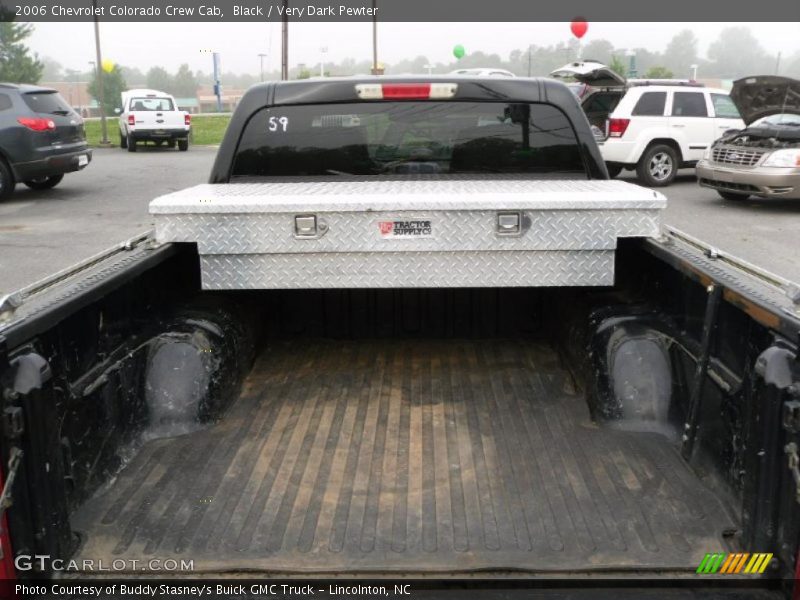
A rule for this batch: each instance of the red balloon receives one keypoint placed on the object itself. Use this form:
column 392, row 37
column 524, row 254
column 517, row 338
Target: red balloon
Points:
column 579, row 28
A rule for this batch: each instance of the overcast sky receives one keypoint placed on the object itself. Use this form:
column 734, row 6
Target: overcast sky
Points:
column 144, row 45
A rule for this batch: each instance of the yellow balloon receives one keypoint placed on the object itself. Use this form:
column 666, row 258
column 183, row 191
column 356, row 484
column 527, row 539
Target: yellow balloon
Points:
column 108, row 65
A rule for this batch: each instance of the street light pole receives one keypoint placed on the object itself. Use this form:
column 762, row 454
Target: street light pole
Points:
column 261, row 56
column 323, row 51
column 99, row 75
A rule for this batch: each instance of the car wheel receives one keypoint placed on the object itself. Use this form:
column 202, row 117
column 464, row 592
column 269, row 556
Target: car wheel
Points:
column 183, row 145
column 734, row 196
column 658, row 166
column 613, row 170
column 131, row 145
column 123, row 141
column 7, row 182
column 44, row 183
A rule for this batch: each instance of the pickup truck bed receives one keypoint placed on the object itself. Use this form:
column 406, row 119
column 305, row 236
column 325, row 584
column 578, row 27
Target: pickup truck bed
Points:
column 408, row 455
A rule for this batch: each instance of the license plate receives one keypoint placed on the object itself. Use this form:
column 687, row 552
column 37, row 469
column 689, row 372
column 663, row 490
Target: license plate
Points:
column 83, row 160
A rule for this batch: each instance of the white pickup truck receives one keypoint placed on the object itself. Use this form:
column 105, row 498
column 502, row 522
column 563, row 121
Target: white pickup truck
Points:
column 150, row 115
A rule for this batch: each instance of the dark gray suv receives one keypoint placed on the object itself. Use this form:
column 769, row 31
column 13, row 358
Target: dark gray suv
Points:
column 41, row 138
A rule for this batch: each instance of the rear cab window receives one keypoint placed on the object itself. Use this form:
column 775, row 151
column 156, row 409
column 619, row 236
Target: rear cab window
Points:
column 150, row 104
column 48, row 103
column 724, row 108
column 650, row 104
column 408, row 138
column 689, row 104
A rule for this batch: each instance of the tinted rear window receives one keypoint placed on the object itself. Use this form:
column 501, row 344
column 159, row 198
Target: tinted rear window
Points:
column 407, row 138
column 651, row 104
column 50, row 103
column 689, row 104
column 146, row 104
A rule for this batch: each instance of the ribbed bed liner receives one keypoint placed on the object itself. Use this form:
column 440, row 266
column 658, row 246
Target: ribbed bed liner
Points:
column 407, row 455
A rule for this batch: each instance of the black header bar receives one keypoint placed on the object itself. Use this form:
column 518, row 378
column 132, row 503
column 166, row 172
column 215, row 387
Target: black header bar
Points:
column 402, row 10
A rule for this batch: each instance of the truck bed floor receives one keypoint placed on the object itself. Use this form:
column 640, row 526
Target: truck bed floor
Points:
column 407, row 455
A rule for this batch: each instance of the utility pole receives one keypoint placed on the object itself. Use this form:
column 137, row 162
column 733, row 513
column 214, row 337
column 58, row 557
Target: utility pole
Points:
column 529, row 60
column 99, row 75
column 374, row 39
column 285, row 42
column 262, row 56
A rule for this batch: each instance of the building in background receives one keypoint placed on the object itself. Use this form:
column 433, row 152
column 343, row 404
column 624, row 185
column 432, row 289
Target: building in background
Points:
column 78, row 96
column 208, row 101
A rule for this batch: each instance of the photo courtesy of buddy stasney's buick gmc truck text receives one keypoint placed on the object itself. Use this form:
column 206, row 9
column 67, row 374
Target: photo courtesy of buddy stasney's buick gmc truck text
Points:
column 409, row 328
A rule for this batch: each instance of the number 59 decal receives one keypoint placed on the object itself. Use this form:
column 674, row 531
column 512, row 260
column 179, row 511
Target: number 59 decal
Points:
column 278, row 123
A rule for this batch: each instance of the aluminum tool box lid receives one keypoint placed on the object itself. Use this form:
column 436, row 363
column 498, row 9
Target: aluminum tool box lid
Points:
column 408, row 194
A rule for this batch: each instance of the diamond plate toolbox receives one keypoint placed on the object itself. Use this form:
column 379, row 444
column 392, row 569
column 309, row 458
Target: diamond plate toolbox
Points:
column 439, row 232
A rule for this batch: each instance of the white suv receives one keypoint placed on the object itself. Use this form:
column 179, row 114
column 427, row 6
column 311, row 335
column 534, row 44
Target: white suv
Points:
column 653, row 126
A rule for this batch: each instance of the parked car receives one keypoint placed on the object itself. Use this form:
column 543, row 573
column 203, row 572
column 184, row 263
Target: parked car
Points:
column 762, row 160
column 41, row 138
column 152, row 116
column 652, row 126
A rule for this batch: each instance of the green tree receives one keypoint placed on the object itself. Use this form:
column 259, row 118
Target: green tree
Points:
column 738, row 53
column 681, row 53
column 16, row 63
column 159, row 79
column 52, row 70
column 657, row 72
column 618, row 66
column 113, row 86
column 599, row 50
column 134, row 77
column 184, row 84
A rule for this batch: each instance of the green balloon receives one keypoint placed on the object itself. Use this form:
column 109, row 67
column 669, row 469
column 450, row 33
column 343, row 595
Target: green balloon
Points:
column 458, row 51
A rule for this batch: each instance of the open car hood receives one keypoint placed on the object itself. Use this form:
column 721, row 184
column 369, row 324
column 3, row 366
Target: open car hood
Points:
column 591, row 73
column 766, row 95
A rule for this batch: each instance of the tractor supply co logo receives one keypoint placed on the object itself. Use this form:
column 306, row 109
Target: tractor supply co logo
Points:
column 405, row 229
column 741, row 563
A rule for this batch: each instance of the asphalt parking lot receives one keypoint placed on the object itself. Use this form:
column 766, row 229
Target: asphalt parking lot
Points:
column 42, row 232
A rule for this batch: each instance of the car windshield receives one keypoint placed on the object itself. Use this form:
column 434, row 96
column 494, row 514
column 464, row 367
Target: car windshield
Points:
column 779, row 120
column 49, row 103
column 408, row 138
column 146, row 104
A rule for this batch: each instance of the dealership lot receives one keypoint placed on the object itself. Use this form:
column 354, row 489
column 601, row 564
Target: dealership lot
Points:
column 42, row 232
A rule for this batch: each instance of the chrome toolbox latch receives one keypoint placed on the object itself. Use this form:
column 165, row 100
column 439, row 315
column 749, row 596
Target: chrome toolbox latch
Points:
column 511, row 223
column 309, row 226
